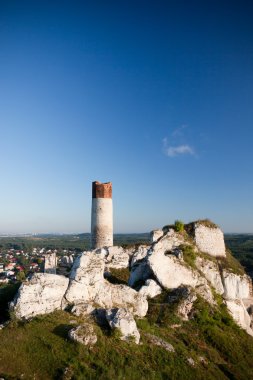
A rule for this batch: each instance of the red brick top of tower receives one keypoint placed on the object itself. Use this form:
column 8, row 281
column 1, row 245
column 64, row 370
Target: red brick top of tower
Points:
column 101, row 190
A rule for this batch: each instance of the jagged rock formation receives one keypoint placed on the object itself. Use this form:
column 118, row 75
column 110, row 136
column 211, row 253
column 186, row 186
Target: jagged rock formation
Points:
column 162, row 265
column 208, row 238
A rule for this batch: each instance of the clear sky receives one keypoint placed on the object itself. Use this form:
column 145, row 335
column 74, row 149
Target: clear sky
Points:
column 155, row 96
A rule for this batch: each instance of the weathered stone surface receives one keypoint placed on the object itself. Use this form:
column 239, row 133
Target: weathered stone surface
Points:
column 236, row 286
column 155, row 235
column 83, row 334
column 211, row 272
column 122, row 319
column 86, row 278
column 240, row 314
column 151, row 289
column 140, row 272
column 168, row 242
column 170, row 272
column 139, row 254
column 111, row 296
column 42, row 294
column 153, row 339
column 115, row 257
column 87, row 285
column 209, row 240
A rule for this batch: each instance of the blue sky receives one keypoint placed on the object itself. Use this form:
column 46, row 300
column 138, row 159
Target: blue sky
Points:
column 156, row 97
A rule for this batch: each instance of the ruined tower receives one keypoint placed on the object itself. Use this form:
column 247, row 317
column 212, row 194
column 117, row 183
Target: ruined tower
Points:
column 101, row 215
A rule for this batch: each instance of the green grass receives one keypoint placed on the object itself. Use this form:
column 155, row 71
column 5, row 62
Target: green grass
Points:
column 40, row 348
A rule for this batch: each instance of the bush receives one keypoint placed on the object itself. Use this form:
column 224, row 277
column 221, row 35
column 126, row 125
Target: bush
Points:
column 179, row 226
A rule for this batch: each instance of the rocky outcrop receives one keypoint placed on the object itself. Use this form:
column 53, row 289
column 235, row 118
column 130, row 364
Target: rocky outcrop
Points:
column 87, row 285
column 151, row 289
column 140, row 271
column 111, row 296
column 86, row 277
column 170, row 272
column 209, row 240
column 42, row 294
column 122, row 319
column 83, row 334
column 115, row 257
column 240, row 314
column 211, row 272
column 235, row 286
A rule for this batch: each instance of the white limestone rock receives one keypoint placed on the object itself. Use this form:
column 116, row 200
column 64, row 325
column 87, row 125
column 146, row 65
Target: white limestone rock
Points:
column 209, row 240
column 235, row 286
column 42, row 294
column 211, row 272
column 170, row 272
column 83, row 334
column 240, row 314
column 86, row 278
column 151, row 289
column 155, row 235
column 87, row 285
column 139, row 272
column 139, row 254
column 117, row 258
column 111, row 296
column 168, row 242
column 122, row 319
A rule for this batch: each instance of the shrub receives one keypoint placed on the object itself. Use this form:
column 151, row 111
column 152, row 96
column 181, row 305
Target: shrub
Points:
column 179, row 226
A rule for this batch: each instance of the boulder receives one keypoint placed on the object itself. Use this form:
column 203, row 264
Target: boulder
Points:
column 236, row 286
column 170, row 272
column 209, row 240
column 42, row 294
column 122, row 319
column 211, row 272
column 83, row 334
column 151, row 289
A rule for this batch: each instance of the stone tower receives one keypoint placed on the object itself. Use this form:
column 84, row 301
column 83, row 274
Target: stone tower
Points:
column 101, row 215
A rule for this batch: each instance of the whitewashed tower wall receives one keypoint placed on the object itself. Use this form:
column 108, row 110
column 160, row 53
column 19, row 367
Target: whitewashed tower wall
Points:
column 101, row 215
